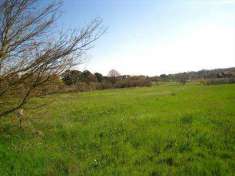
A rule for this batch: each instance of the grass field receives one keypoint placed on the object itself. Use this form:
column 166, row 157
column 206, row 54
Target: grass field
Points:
column 161, row 130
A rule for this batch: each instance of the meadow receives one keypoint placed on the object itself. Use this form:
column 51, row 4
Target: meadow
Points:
column 167, row 129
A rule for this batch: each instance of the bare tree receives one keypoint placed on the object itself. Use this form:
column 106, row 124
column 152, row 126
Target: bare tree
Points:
column 113, row 74
column 30, row 53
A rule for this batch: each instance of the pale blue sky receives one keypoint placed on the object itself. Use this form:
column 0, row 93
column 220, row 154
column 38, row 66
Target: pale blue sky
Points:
column 157, row 36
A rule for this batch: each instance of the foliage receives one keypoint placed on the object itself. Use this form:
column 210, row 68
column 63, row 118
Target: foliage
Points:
column 86, row 81
column 99, row 77
column 71, row 77
column 134, row 81
column 87, row 77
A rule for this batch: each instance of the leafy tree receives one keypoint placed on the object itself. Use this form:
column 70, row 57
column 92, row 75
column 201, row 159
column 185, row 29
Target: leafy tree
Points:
column 87, row 76
column 71, row 77
column 163, row 77
column 99, row 77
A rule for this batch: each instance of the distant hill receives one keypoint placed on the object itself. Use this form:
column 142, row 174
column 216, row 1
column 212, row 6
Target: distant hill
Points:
column 202, row 74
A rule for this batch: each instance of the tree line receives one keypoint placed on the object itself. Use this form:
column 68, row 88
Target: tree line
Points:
column 85, row 80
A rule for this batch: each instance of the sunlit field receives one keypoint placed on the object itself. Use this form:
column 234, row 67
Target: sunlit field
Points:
column 167, row 129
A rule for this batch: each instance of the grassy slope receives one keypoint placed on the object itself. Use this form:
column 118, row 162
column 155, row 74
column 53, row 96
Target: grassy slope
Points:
column 162, row 130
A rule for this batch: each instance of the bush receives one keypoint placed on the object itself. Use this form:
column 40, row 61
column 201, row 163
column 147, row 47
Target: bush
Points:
column 140, row 81
column 106, row 85
column 82, row 86
column 218, row 81
column 203, row 82
column 182, row 81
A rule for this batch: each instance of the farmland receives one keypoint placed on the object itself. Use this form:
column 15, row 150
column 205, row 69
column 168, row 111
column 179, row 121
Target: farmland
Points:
column 166, row 129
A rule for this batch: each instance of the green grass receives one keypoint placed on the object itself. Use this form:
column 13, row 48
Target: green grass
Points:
column 161, row 130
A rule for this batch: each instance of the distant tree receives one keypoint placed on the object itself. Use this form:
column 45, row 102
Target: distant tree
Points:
column 30, row 51
column 182, row 81
column 182, row 78
column 99, row 77
column 113, row 75
column 87, row 76
column 71, row 77
column 163, row 77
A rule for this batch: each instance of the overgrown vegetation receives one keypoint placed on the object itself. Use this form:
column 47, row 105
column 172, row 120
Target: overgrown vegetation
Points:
column 86, row 81
column 160, row 130
column 218, row 81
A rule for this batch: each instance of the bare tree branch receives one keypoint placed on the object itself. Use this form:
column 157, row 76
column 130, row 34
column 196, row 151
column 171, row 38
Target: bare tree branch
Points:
column 29, row 54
